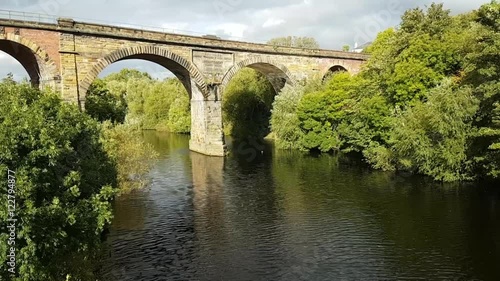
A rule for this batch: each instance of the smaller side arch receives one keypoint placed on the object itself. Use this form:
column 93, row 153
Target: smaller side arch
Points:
column 182, row 68
column 277, row 73
column 37, row 62
column 333, row 69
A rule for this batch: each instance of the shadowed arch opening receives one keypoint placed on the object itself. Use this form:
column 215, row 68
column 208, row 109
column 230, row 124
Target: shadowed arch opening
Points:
column 185, row 71
column 275, row 72
column 248, row 92
column 334, row 69
column 35, row 60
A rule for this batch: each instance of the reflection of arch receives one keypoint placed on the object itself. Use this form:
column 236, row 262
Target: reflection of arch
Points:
column 334, row 69
column 180, row 67
column 277, row 73
column 34, row 59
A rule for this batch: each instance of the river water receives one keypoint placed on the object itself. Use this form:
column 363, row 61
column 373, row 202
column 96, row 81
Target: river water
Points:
column 274, row 215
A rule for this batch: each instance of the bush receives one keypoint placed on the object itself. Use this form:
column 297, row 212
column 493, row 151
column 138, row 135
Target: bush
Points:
column 103, row 105
column 65, row 182
column 133, row 157
column 432, row 138
column 321, row 112
column 284, row 119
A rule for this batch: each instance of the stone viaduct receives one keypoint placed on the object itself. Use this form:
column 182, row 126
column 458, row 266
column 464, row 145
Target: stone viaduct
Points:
column 68, row 55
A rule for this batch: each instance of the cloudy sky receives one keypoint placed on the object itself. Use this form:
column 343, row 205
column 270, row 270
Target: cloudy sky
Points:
column 333, row 23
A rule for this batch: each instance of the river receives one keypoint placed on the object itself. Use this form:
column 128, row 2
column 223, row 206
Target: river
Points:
column 276, row 215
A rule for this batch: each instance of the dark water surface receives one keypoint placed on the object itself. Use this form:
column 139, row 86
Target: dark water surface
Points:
column 286, row 216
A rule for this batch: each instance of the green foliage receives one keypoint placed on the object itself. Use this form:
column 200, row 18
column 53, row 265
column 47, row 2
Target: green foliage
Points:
column 65, row 182
column 397, row 112
column 285, row 122
column 151, row 104
column 102, row 105
column 408, row 62
column 247, row 105
column 179, row 117
column 321, row 112
column 368, row 124
column 159, row 102
column 432, row 137
column 483, row 73
column 295, row 41
column 133, row 157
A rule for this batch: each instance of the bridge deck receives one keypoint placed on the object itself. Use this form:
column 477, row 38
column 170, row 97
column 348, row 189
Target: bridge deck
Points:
column 66, row 25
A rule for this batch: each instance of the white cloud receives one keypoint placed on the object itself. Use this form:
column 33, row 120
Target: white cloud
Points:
column 273, row 22
column 231, row 30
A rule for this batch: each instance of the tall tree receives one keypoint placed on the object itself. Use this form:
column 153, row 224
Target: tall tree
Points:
column 483, row 73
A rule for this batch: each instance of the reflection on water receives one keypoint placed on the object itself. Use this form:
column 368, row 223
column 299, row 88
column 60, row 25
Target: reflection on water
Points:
column 275, row 215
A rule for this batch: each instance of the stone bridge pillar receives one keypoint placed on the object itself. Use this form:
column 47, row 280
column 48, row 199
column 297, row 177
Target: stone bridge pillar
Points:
column 207, row 136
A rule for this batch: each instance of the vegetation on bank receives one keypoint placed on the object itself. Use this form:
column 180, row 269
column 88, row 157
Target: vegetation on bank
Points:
column 427, row 101
column 136, row 98
column 69, row 167
column 65, row 182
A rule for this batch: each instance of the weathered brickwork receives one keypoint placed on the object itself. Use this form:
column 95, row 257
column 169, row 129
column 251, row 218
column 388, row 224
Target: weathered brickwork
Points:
column 69, row 56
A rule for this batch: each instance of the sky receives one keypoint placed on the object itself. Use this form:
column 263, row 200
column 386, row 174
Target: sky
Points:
column 332, row 23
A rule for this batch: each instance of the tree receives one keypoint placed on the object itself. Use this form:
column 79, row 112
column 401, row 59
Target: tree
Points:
column 136, row 98
column 166, row 100
column 432, row 137
column 483, row 73
column 294, row 41
column 246, row 106
column 65, row 182
column 285, row 122
column 429, row 46
column 102, row 105
column 321, row 112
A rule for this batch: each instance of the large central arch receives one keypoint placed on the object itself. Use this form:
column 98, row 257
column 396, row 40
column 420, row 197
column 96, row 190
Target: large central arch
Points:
column 277, row 73
column 180, row 67
column 40, row 67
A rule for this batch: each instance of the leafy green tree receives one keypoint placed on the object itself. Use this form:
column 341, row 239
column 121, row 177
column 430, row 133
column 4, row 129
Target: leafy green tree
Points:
column 408, row 62
column 136, row 98
column 483, row 73
column 432, row 137
column 285, row 122
column 128, row 74
column 102, row 105
column 133, row 157
column 368, row 125
column 247, row 103
column 321, row 112
column 159, row 105
column 295, row 41
column 65, row 182
column 179, row 119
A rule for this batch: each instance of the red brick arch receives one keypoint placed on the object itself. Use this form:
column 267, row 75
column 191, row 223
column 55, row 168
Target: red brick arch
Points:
column 33, row 58
column 181, row 67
